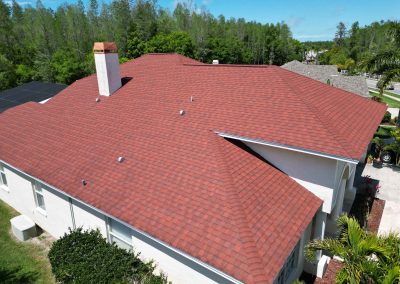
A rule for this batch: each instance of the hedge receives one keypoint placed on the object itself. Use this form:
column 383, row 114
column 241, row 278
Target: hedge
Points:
column 86, row 257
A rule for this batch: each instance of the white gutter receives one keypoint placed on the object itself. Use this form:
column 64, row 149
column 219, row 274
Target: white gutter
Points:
column 206, row 266
column 286, row 147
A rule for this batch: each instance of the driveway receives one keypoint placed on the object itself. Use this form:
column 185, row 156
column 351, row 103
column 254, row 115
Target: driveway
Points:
column 389, row 180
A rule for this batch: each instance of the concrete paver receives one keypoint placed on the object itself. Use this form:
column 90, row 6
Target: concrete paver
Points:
column 389, row 180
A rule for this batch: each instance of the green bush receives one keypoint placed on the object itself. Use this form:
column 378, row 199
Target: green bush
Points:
column 86, row 257
column 387, row 117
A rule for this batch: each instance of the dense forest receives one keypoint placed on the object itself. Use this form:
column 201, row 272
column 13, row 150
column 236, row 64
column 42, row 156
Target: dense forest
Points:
column 355, row 47
column 37, row 43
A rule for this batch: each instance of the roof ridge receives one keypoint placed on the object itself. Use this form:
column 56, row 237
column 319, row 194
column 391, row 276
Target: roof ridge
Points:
column 230, row 65
column 312, row 109
column 242, row 217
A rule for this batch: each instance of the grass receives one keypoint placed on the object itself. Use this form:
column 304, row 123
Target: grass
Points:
column 20, row 262
column 392, row 94
column 386, row 100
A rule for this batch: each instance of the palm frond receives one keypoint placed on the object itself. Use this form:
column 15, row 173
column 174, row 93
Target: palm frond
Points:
column 332, row 246
column 392, row 276
column 388, row 77
column 385, row 60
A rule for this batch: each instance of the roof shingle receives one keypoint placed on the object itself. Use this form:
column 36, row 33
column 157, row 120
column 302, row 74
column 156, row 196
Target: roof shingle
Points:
column 180, row 182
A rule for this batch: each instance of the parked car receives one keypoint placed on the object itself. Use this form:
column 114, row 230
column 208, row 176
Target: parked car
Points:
column 390, row 87
column 387, row 155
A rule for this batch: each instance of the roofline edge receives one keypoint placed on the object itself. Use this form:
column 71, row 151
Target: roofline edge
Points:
column 208, row 268
column 287, row 147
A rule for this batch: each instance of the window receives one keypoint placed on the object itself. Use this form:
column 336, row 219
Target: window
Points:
column 120, row 234
column 39, row 198
column 3, row 178
column 290, row 265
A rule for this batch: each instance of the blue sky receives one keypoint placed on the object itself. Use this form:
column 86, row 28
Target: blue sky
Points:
column 308, row 19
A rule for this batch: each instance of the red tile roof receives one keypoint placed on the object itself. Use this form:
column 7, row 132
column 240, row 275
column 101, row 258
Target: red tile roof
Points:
column 180, row 182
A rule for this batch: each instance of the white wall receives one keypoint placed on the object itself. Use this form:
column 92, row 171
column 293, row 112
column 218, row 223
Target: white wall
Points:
column 305, row 238
column 176, row 271
column 318, row 174
column 59, row 217
column 108, row 73
column 88, row 218
column 21, row 197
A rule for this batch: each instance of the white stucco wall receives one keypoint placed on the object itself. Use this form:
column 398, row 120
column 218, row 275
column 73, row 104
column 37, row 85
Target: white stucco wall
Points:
column 88, row 218
column 318, row 174
column 59, row 218
column 108, row 73
column 305, row 238
column 21, row 197
column 176, row 271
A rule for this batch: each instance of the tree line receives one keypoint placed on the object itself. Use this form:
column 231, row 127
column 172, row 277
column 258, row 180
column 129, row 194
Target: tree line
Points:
column 38, row 43
column 355, row 47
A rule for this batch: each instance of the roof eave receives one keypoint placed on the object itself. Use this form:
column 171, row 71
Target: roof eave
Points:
column 288, row 147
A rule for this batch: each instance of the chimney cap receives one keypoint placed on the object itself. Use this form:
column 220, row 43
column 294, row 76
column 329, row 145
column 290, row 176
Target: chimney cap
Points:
column 105, row 47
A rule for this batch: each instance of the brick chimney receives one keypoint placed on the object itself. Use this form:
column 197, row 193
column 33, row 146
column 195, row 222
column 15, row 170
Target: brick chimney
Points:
column 107, row 67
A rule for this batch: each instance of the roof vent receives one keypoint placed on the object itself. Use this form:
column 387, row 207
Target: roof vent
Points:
column 191, row 98
column 84, row 182
column 215, row 61
column 181, row 112
column 120, row 159
column 97, row 100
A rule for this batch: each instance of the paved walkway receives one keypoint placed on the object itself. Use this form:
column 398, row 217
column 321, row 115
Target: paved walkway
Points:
column 393, row 111
column 389, row 180
column 386, row 95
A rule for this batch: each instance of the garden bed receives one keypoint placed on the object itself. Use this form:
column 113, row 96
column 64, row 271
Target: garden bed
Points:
column 375, row 215
column 361, row 208
column 330, row 273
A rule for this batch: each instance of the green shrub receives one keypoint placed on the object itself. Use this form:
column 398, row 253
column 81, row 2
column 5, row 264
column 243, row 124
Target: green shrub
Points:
column 86, row 257
column 387, row 117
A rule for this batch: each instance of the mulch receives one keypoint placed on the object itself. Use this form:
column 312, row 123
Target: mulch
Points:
column 375, row 215
column 330, row 274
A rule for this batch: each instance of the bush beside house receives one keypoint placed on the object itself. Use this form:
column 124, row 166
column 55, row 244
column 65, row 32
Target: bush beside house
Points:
column 86, row 257
column 387, row 117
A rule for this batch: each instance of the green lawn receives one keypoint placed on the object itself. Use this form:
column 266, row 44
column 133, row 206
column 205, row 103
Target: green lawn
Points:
column 20, row 262
column 390, row 102
column 392, row 94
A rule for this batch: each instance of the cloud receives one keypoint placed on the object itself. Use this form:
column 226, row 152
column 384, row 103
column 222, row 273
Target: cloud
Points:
column 294, row 21
column 313, row 36
column 21, row 3
column 183, row 2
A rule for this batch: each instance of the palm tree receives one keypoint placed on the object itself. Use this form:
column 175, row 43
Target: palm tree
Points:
column 364, row 254
column 391, row 267
column 387, row 62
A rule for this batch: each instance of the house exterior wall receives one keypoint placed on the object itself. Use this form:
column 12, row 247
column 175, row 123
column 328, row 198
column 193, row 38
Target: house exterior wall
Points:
column 176, row 271
column 319, row 175
column 20, row 196
column 305, row 238
column 63, row 212
column 87, row 218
